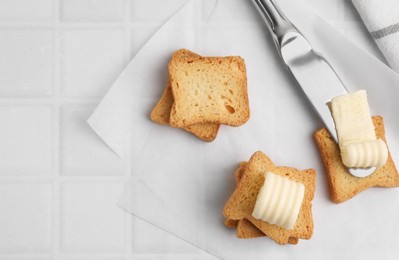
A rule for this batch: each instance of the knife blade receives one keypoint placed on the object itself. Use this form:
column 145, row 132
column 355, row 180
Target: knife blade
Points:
column 315, row 76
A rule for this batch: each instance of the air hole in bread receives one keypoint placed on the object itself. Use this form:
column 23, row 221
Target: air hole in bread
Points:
column 209, row 97
column 230, row 91
column 225, row 98
column 230, row 109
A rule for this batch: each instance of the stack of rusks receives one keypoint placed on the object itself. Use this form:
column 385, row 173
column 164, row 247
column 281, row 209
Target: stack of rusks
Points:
column 202, row 93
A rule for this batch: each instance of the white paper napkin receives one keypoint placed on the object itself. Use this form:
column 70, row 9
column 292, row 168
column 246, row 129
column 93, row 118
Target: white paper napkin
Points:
column 180, row 183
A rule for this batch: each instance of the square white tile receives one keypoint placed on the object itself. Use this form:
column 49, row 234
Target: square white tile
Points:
column 92, row 10
column 25, row 221
column 87, row 257
column 28, row 257
column 91, row 59
column 26, row 138
column 153, row 11
column 26, row 10
column 83, row 153
column 26, row 64
column 90, row 220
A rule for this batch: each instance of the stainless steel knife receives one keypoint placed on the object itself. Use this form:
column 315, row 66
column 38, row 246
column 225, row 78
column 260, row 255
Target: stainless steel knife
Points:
column 314, row 74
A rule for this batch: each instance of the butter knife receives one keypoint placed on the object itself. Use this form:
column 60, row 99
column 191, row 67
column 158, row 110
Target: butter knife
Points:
column 315, row 76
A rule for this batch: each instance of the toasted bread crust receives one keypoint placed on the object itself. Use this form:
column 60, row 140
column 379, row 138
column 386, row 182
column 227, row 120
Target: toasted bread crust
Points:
column 208, row 89
column 242, row 201
column 202, row 93
column 160, row 114
column 342, row 185
column 245, row 229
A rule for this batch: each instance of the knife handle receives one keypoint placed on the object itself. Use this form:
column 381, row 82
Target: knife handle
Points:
column 275, row 20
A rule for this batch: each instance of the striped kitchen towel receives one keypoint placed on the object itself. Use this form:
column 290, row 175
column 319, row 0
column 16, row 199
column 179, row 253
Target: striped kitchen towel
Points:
column 381, row 18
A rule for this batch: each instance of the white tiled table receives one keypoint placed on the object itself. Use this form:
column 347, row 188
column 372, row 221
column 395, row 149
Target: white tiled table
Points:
column 58, row 181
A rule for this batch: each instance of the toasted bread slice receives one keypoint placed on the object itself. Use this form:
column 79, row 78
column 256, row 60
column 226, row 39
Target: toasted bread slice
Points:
column 161, row 112
column 237, row 176
column 241, row 203
column 240, row 171
column 343, row 186
column 246, row 229
column 208, row 89
column 230, row 223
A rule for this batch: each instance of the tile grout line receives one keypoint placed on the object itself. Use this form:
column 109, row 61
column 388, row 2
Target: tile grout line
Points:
column 56, row 131
column 73, row 25
column 66, row 178
column 51, row 100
